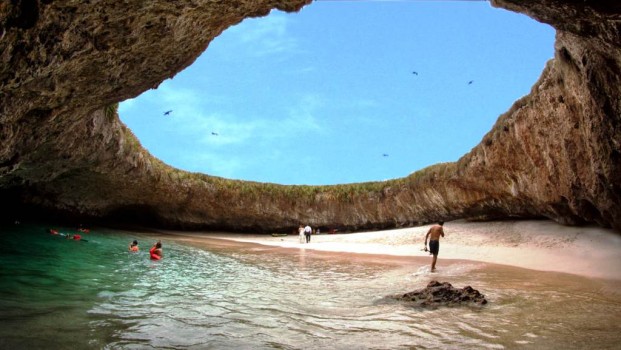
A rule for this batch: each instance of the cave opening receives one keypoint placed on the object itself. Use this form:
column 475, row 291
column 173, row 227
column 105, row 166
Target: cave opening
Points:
column 343, row 92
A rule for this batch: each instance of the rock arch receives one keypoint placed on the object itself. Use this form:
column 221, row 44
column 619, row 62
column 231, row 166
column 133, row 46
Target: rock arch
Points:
column 555, row 153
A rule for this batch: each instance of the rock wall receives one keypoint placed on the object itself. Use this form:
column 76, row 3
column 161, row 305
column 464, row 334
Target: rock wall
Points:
column 556, row 153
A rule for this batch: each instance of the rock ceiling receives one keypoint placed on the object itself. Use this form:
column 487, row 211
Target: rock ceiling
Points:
column 555, row 153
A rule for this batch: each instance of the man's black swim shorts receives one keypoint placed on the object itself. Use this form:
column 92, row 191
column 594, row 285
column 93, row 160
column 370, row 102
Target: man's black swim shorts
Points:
column 434, row 247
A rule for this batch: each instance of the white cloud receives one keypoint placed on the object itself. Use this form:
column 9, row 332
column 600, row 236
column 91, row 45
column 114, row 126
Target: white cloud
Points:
column 176, row 97
column 127, row 105
column 235, row 129
column 245, row 140
column 264, row 36
column 226, row 154
column 303, row 70
column 302, row 117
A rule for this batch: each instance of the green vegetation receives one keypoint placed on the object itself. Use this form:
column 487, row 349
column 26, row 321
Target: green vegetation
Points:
column 111, row 111
column 228, row 188
column 132, row 141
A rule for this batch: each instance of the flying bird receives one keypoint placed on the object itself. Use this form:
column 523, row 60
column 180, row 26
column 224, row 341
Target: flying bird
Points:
column 214, row 133
column 168, row 112
column 470, row 82
column 415, row 72
column 385, row 155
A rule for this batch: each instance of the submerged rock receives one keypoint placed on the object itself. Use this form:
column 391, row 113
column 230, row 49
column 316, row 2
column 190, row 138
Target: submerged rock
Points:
column 444, row 294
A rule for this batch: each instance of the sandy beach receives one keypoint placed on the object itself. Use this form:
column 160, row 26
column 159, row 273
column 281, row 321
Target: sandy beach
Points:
column 538, row 245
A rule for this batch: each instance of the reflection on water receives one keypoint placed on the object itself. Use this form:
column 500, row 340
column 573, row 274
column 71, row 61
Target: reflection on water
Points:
column 59, row 294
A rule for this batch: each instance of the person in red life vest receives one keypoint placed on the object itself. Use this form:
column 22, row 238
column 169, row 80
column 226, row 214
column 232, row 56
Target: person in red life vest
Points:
column 77, row 237
column 156, row 251
column 133, row 246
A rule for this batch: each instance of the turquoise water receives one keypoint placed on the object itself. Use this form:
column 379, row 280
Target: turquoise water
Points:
column 63, row 294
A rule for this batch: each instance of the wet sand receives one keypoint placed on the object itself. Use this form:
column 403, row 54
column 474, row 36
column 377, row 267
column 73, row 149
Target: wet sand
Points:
column 539, row 245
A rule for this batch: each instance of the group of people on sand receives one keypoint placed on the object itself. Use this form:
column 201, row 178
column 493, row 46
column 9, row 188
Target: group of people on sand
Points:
column 155, row 253
column 433, row 237
column 305, row 233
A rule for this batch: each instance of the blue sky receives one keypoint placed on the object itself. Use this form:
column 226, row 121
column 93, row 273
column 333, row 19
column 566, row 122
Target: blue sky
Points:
column 321, row 96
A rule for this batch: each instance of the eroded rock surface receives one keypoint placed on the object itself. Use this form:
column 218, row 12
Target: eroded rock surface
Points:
column 555, row 153
column 443, row 294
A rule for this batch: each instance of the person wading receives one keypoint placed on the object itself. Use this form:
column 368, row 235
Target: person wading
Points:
column 434, row 234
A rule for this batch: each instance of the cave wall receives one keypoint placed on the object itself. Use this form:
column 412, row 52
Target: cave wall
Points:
column 555, row 153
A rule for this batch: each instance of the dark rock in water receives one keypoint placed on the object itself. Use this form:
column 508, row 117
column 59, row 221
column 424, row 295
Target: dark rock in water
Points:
column 444, row 294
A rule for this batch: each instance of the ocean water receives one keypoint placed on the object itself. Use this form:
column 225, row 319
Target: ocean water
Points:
column 63, row 294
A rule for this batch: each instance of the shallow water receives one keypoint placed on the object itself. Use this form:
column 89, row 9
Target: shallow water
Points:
column 58, row 294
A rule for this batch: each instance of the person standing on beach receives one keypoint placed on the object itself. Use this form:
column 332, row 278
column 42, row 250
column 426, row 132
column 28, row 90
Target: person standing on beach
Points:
column 307, row 232
column 301, row 233
column 434, row 234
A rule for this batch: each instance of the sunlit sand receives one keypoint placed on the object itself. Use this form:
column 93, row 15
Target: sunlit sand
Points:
column 539, row 245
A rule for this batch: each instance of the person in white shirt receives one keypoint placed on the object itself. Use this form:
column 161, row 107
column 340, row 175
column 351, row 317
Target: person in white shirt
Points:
column 301, row 233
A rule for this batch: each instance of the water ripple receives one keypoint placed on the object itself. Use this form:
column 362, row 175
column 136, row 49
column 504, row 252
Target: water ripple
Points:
column 198, row 298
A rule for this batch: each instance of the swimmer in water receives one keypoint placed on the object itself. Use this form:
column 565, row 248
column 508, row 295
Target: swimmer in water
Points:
column 156, row 251
column 133, row 246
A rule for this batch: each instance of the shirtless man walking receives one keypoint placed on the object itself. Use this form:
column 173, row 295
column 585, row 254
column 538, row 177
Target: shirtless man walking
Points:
column 434, row 234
